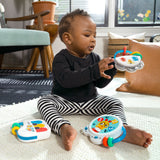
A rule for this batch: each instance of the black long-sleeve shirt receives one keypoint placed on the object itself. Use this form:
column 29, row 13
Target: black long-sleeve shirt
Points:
column 75, row 78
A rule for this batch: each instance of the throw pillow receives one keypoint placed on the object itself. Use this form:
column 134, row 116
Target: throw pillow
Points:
column 139, row 36
column 147, row 80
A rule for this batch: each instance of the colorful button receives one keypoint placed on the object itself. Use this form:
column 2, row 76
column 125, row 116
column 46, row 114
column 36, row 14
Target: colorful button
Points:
column 95, row 137
column 135, row 58
column 41, row 130
column 39, row 125
column 37, row 122
column 123, row 59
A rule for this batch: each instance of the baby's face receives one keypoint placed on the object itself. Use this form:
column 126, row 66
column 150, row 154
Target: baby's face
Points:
column 83, row 34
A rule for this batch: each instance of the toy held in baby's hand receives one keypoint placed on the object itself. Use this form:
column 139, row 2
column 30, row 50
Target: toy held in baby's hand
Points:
column 106, row 130
column 129, row 61
column 31, row 130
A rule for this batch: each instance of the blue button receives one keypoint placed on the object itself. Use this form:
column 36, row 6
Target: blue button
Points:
column 95, row 137
column 135, row 58
column 37, row 121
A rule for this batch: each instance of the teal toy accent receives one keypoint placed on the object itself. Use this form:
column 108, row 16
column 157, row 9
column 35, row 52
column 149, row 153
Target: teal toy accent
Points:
column 110, row 142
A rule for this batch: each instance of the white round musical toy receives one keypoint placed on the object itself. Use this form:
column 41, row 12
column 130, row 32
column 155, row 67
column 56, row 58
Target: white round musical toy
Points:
column 129, row 61
column 106, row 130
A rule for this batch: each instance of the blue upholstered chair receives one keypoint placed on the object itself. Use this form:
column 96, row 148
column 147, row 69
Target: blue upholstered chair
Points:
column 12, row 39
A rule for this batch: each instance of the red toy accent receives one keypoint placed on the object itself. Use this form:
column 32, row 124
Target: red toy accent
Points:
column 94, row 130
column 124, row 50
column 105, row 141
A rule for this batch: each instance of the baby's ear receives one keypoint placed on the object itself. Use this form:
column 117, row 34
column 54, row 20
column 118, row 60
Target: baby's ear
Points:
column 66, row 38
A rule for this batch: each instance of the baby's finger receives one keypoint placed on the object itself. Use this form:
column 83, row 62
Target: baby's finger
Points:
column 107, row 67
column 105, row 76
column 110, row 66
column 109, row 60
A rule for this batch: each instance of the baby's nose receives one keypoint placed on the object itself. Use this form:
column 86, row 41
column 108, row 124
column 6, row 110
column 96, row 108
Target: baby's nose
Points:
column 93, row 39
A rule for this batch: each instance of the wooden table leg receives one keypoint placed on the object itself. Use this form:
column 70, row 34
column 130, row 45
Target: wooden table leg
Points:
column 36, row 60
column 44, row 61
column 1, row 59
column 32, row 61
column 50, row 57
column 52, row 54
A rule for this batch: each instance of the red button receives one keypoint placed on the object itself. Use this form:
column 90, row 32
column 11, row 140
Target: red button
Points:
column 41, row 129
column 123, row 59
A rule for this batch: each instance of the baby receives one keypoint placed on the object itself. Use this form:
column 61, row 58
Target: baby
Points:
column 77, row 72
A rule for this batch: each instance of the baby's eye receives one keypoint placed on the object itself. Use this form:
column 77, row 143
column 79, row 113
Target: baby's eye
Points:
column 87, row 35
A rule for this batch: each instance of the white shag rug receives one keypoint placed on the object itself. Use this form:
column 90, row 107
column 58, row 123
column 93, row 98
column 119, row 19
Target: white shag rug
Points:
column 142, row 111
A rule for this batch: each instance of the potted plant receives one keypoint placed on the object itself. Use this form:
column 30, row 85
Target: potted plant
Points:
column 42, row 5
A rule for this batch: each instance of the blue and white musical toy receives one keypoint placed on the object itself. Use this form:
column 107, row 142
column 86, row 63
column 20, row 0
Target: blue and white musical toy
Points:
column 31, row 130
column 129, row 61
column 106, row 130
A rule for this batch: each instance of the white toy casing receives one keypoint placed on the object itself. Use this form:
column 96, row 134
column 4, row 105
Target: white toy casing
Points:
column 129, row 63
column 112, row 129
column 33, row 130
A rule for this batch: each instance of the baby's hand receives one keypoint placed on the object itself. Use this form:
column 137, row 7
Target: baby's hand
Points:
column 103, row 66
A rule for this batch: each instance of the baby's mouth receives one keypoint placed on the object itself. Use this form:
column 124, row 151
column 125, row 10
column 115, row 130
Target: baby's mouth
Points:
column 91, row 48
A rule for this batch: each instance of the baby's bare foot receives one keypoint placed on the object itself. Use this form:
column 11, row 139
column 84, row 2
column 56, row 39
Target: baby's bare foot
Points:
column 137, row 136
column 68, row 134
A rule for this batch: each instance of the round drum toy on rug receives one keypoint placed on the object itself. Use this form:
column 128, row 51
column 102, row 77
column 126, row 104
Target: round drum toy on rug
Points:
column 129, row 61
column 106, row 130
column 31, row 130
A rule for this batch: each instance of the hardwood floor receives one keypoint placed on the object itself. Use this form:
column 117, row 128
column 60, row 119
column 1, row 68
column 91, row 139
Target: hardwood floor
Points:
column 120, row 74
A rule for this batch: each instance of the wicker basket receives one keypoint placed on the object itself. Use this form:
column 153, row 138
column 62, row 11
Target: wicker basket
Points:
column 118, row 44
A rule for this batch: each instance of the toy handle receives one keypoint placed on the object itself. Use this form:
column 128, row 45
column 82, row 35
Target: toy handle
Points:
column 121, row 51
column 109, row 141
column 121, row 137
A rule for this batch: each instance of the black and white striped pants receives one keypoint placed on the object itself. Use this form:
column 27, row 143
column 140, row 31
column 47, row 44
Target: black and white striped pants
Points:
column 53, row 107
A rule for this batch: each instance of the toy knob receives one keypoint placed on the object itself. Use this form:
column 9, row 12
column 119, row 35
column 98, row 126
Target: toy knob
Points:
column 15, row 127
column 15, row 124
column 14, row 130
column 105, row 141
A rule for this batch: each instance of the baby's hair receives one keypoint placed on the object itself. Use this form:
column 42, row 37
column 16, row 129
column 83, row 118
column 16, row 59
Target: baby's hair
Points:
column 65, row 23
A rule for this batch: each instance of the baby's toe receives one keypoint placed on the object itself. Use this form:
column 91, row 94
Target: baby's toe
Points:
column 145, row 145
